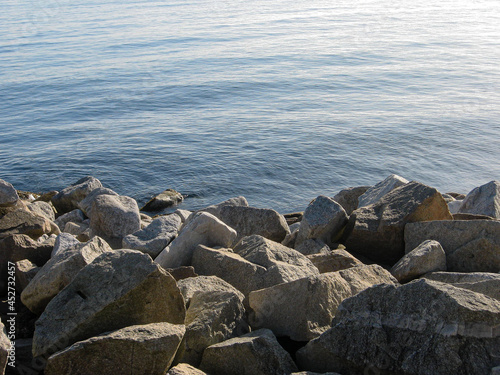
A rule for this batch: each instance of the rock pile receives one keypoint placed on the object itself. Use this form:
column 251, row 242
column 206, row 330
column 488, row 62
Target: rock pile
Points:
column 395, row 278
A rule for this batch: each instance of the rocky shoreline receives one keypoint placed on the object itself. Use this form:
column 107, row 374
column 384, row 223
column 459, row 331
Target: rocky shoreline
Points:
column 395, row 278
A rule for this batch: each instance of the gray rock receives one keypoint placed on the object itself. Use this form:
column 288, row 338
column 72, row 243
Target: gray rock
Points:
column 76, row 229
column 69, row 198
column 59, row 271
column 26, row 222
column 165, row 199
column 86, row 204
column 118, row 289
column 141, row 349
column 479, row 282
column 235, row 202
column 324, row 219
column 250, row 220
column 424, row 327
column 43, row 209
column 313, row 246
column 349, row 198
column 259, row 353
column 454, row 206
column 4, row 348
column 470, row 246
column 373, row 194
column 377, row 231
column 155, row 237
column 292, row 309
column 204, row 229
column 215, row 313
column 334, row 260
column 429, row 256
column 25, row 272
column 63, row 242
column 75, row 216
column 183, row 214
column 114, row 217
column 8, row 194
column 483, row 200
column 185, row 369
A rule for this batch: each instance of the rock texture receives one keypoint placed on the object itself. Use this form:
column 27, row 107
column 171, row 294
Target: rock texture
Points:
column 25, row 272
column 127, row 288
column 67, row 199
column 479, row 282
column 349, row 198
column 75, row 216
column 483, row 200
column 43, row 209
column 8, row 194
column 4, row 347
column 424, row 327
column 165, row 199
column 334, row 260
column 373, row 194
column 185, row 369
column 86, row 204
column 26, row 222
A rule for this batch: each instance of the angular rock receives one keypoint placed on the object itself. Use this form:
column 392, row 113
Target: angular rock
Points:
column 46, row 197
column 470, row 246
column 127, row 288
column 293, row 218
column 429, row 256
column 204, row 229
column 8, row 194
column 43, row 209
column 377, row 231
column 424, row 327
column 479, row 282
column 114, row 217
column 4, row 348
column 313, row 246
column 483, row 200
column 59, row 271
column 183, row 214
column 215, row 313
column 182, row 273
column 64, row 241
column 454, row 206
column 19, row 205
column 324, row 219
column 235, row 202
column 155, row 237
column 165, row 199
column 76, row 229
column 86, row 204
column 75, row 216
column 26, row 222
column 141, row 349
column 373, row 194
column 250, row 220
column 25, row 272
column 259, row 353
column 334, row 260
column 349, row 198
column 67, row 199
column 303, row 309
column 185, row 369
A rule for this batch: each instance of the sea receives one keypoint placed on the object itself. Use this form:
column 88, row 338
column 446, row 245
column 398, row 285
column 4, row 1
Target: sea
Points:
column 276, row 100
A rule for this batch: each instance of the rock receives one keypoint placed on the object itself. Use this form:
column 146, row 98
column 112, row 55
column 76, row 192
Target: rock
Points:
column 250, row 220
column 141, row 349
column 25, row 272
column 86, row 204
column 43, row 209
column 59, row 271
column 293, row 218
column 290, row 239
column 324, row 219
column 185, row 369
column 182, row 273
column 259, row 353
column 63, row 242
column 19, row 205
column 479, row 282
column 114, row 217
column 424, row 327
column 68, row 199
column 373, row 194
column 429, row 256
column 127, row 288
column 303, row 309
column 8, row 194
column 26, row 222
column 76, row 229
column 215, row 313
column 46, row 197
column 377, row 231
column 4, row 345
column 204, row 229
column 470, row 246
column 235, row 202
column 349, row 198
column 483, row 200
column 183, row 214
column 75, row 216
column 166, row 199
column 155, row 237
column 471, row 217
column 334, row 260
column 454, row 206
column 313, row 246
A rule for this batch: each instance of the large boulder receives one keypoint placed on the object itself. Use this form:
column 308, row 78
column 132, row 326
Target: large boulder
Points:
column 8, row 194
column 479, row 282
column 259, row 353
column 118, row 289
column 63, row 242
column 203, row 229
column 59, row 271
column 234, row 202
column 155, row 237
column 114, row 216
column 68, row 198
column 215, row 313
column 74, row 216
column 470, row 245
column 324, row 219
column 349, row 198
column 483, row 200
column 377, row 231
column 429, row 256
column 85, row 205
column 334, row 260
column 165, row 199
column 141, row 349
column 303, row 309
column 424, row 327
column 26, row 222
column 43, row 209
column 374, row 193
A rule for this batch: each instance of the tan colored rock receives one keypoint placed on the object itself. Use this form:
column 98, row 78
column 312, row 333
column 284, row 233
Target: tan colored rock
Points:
column 479, row 282
column 349, row 198
column 165, row 199
column 334, row 260
column 43, row 209
column 76, row 229
column 374, row 193
column 85, row 205
column 26, row 222
column 4, row 348
column 312, row 246
column 25, row 272
column 75, row 216
column 185, row 369
column 69, row 198
column 8, row 194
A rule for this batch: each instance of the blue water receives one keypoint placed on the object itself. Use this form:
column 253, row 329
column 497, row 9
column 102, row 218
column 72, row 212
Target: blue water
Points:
column 279, row 101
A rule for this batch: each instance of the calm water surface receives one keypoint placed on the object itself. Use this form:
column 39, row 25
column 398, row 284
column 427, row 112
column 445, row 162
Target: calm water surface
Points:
column 279, row 101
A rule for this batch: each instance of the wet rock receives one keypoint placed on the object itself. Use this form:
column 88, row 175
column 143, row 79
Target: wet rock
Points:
column 86, row 204
column 303, row 309
column 43, row 209
column 333, row 260
column 424, row 327
column 69, row 198
column 483, row 200
column 75, row 216
column 373, row 194
column 349, row 198
column 8, row 194
column 203, row 229
column 259, row 353
column 26, row 222
column 141, row 349
column 479, row 282
column 25, row 272
column 429, row 256
column 118, row 289
column 165, row 199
